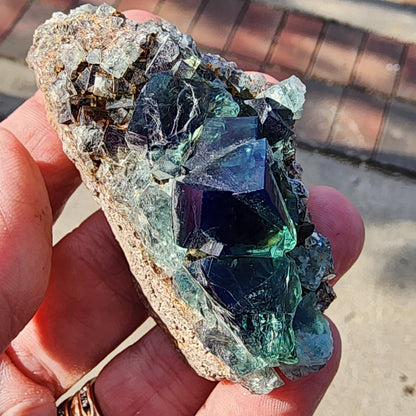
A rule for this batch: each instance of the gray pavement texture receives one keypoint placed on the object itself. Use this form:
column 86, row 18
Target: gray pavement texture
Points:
column 376, row 304
column 17, row 82
column 386, row 18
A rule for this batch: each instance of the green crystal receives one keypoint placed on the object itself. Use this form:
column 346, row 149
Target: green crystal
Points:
column 290, row 93
column 199, row 157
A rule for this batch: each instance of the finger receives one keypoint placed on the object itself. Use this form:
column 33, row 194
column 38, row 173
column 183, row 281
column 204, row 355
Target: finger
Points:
column 30, row 125
column 142, row 372
column 336, row 218
column 141, row 16
column 151, row 378
column 25, row 238
column 90, row 307
column 20, row 395
column 295, row 398
column 268, row 77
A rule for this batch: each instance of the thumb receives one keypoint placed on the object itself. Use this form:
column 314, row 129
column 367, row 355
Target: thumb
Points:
column 25, row 237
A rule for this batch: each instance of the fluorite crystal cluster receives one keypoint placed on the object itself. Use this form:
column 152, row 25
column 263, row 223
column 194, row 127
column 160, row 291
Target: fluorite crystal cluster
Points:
column 200, row 157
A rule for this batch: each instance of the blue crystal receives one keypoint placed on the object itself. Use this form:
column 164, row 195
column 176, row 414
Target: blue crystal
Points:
column 200, row 158
column 249, row 284
column 276, row 120
column 314, row 343
column 244, row 214
column 234, row 199
column 169, row 109
column 314, row 261
column 216, row 137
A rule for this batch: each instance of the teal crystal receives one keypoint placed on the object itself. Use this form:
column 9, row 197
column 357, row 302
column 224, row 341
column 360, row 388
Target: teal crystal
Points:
column 313, row 335
column 199, row 156
column 290, row 93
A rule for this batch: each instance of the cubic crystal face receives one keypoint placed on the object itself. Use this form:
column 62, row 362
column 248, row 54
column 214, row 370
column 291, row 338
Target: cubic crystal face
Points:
column 200, row 157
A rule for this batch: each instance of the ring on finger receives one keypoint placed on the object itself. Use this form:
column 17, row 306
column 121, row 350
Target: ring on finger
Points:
column 82, row 403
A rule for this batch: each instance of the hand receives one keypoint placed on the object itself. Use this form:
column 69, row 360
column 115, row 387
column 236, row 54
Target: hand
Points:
column 63, row 309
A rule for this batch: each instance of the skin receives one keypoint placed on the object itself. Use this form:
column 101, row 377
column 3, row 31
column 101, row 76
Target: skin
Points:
column 66, row 307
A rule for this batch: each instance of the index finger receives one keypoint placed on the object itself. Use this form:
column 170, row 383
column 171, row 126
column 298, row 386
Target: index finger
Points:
column 32, row 128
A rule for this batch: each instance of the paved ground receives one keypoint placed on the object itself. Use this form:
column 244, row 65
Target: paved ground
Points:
column 361, row 106
column 390, row 18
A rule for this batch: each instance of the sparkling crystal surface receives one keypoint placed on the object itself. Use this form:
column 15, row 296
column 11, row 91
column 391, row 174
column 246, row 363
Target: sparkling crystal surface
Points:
column 200, row 157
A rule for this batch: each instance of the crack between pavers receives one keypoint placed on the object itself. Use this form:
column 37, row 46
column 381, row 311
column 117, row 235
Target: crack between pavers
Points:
column 21, row 14
column 158, row 7
column 355, row 160
column 274, row 41
column 237, row 23
column 389, row 103
column 319, row 42
column 197, row 15
column 346, row 88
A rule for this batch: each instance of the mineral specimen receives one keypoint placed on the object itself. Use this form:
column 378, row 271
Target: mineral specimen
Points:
column 193, row 162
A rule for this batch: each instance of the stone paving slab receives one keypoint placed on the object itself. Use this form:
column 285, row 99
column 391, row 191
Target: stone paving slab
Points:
column 337, row 54
column 357, row 81
column 16, row 84
column 397, row 141
column 378, row 64
column 10, row 11
column 357, row 125
column 254, row 35
column 297, row 41
column 16, row 44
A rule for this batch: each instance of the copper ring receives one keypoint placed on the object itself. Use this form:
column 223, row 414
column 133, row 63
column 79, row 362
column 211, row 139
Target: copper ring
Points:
column 82, row 403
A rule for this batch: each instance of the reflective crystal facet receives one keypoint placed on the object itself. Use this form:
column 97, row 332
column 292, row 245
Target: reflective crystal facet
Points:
column 199, row 157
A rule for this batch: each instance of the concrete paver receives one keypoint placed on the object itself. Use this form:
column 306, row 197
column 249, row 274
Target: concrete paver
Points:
column 10, row 11
column 17, row 83
column 60, row 4
column 357, row 124
column 375, row 16
column 337, row 54
column 379, row 64
column 216, row 23
column 320, row 109
column 17, row 43
column 297, row 41
column 397, row 143
column 407, row 84
column 180, row 13
column 98, row 2
column 255, row 33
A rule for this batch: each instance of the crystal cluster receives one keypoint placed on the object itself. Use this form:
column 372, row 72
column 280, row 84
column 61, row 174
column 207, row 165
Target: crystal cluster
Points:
column 200, row 156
